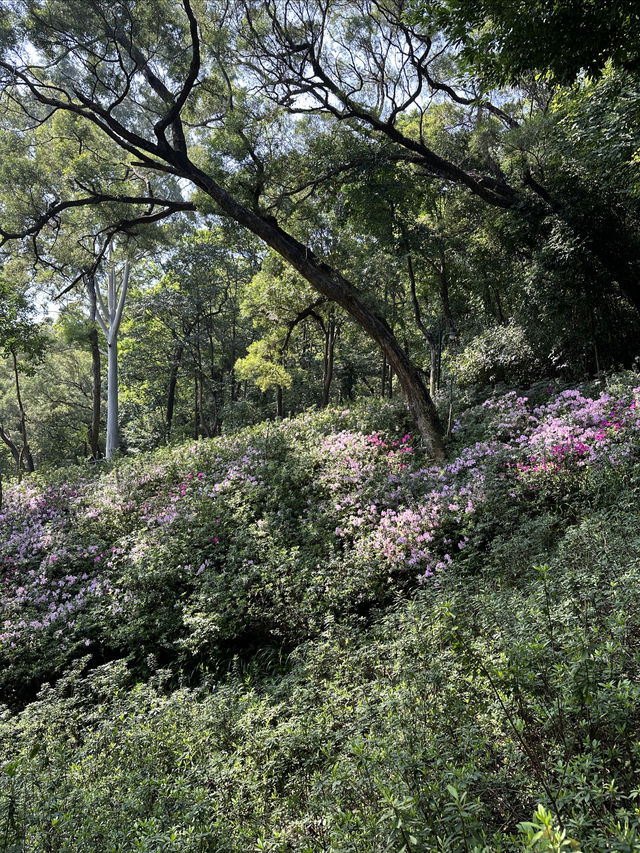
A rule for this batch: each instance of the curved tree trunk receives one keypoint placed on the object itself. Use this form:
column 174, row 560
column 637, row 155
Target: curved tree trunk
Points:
column 172, row 157
column 15, row 450
column 331, row 284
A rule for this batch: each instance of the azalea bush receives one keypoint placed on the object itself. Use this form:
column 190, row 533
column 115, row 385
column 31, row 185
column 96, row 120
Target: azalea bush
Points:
column 465, row 719
column 258, row 538
column 307, row 636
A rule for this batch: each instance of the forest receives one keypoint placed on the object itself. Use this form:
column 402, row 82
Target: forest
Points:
column 319, row 425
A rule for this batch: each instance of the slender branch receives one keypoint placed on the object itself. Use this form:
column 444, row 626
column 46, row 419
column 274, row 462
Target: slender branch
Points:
column 124, row 283
column 309, row 311
column 192, row 75
column 55, row 210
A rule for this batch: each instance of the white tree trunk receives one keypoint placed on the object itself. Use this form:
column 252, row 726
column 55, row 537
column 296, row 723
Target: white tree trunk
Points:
column 109, row 317
column 113, row 426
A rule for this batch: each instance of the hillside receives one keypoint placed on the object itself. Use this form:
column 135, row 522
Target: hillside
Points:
column 306, row 637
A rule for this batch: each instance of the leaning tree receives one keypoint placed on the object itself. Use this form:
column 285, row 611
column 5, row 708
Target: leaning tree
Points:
column 152, row 79
column 170, row 84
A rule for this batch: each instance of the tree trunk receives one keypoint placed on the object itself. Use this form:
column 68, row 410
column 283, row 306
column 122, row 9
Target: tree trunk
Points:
column 6, row 437
column 171, row 391
column 232, row 376
column 215, row 419
column 330, row 337
column 204, row 427
column 444, row 290
column 217, row 389
column 331, row 284
column 109, row 318
column 196, row 414
column 201, row 428
column 426, row 334
column 25, row 459
column 94, row 431
column 113, row 426
column 433, row 367
column 96, row 377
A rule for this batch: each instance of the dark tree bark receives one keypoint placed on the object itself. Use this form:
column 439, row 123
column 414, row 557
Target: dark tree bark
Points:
column 5, row 435
column 330, row 338
column 25, row 459
column 171, row 390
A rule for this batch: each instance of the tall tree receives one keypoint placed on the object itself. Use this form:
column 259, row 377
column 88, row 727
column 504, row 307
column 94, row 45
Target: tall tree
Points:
column 509, row 39
column 367, row 65
column 19, row 336
column 184, row 330
column 109, row 316
column 122, row 68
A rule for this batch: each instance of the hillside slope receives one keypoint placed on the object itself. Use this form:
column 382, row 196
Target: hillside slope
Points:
column 303, row 637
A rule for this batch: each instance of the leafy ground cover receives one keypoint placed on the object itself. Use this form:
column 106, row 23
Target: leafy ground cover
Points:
column 305, row 637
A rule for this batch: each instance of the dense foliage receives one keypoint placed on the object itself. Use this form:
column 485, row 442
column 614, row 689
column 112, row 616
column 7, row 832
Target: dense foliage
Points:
column 314, row 198
column 337, row 585
column 302, row 637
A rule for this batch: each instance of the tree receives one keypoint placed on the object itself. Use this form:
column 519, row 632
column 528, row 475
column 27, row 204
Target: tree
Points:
column 510, row 39
column 123, row 70
column 183, row 335
column 109, row 317
column 368, row 66
column 280, row 305
column 19, row 335
column 79, row 331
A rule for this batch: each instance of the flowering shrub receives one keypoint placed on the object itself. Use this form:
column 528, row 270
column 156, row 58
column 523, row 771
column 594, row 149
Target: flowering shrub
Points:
column 264, row 533
column 245, row 582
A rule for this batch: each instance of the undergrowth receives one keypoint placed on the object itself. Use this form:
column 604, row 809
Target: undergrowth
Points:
column 306, row 637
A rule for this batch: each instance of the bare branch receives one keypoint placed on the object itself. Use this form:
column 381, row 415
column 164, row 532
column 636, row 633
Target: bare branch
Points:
column 53, row 212
column 194, row 68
